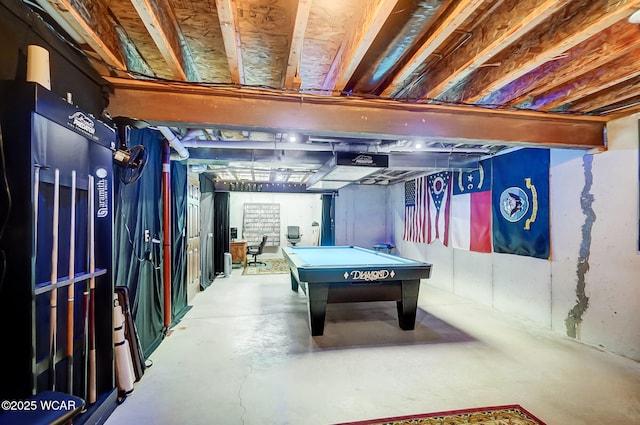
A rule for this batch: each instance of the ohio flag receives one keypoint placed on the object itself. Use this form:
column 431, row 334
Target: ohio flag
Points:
column 471, row 209
column 438, row 203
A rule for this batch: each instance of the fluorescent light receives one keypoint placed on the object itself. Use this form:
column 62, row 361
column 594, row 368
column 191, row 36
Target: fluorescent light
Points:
column 262, row 176
column 348, row 173
column 328, row 185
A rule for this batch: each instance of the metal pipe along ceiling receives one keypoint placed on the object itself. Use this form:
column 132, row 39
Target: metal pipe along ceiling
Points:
column 315, row 147
column 389, row 147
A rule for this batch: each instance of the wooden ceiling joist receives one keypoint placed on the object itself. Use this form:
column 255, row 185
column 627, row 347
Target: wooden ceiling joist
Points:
column 508, row 23
column 210, row 107
column 615, row 42
column 598, row 80
column 161, row 24
column 445, row 26
column 227, row 15
column 292, row 77
column 357, row 42
column 624, row 109
column 629, row 89
column 91, row 19
column 546, row 43
column 135, row 61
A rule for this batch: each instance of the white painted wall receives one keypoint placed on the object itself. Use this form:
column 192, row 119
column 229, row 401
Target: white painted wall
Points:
column 296, row 209
column 613, row 284
column 544, row 291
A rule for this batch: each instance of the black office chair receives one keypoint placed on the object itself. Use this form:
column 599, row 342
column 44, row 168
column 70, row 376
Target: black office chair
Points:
column 293, row 234
column 256, row 250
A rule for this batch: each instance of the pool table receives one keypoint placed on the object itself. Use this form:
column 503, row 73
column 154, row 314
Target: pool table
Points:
column 342, row 274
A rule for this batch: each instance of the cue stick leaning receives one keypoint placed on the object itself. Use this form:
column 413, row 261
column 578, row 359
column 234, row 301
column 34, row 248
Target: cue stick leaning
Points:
column 92, row 283
column 54, row 281
column 85, row 341
column 71, row 287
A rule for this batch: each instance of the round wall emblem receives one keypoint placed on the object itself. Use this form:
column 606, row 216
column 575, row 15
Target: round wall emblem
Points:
column 514, row 204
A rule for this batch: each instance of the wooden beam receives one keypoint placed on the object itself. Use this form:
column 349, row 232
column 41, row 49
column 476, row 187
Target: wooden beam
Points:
column 505, row 25
column 548, row 41
column 197, row 106
column 629, row 89
column 92, row 20
column 444, row 27
column 630, row 107
column 292, row 77
column 596, row 81
column 357, row 42
column 615, row 42
column 160, row 21
column 228, row 17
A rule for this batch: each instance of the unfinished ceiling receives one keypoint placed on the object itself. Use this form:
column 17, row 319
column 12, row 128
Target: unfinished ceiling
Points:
column 433, row 84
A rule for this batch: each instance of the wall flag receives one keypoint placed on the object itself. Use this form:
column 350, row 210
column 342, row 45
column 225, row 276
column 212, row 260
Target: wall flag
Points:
column 520, row 199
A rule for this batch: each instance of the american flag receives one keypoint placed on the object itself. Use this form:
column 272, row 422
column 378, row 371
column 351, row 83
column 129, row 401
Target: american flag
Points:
column 415, row 202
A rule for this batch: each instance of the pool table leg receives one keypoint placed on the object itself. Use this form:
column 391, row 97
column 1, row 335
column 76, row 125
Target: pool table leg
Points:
column 409, row 304
column 294, row 282
column 317, row 294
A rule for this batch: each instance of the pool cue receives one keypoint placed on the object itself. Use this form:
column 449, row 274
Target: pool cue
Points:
column 71, row 287
column 54, row 281
column 92, row 284
column 85, row 340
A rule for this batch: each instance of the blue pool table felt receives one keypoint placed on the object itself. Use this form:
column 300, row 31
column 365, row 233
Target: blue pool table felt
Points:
column 345, row 256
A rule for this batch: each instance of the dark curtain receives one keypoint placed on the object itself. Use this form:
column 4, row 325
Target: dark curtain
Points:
column 327, row 227
column 221, row 230
column 138, row 241
column 178, row 241
column 207, row 272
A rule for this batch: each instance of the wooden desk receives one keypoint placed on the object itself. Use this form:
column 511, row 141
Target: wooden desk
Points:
column 239, row 252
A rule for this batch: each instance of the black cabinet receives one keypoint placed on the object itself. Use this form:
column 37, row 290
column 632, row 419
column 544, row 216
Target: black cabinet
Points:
column 56, row 225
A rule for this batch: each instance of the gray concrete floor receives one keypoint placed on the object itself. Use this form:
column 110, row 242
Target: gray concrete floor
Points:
column 244, row 355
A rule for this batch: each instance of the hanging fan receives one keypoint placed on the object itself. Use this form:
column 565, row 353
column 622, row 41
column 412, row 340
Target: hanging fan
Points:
column 131, row 160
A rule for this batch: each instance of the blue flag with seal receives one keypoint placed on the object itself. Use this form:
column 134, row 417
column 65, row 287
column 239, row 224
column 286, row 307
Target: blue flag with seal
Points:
column 520, row 199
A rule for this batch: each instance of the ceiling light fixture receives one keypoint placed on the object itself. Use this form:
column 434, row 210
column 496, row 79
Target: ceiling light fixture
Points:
column 345, row 168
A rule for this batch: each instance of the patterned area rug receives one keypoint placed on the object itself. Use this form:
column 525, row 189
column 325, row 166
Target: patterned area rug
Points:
column 274, row 266
column 499, row 415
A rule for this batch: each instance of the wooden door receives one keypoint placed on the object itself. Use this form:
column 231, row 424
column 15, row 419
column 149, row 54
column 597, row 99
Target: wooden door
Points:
column 193, row 235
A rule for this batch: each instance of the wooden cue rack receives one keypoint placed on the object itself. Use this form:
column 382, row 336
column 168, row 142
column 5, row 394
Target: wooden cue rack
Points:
column 57, row 159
